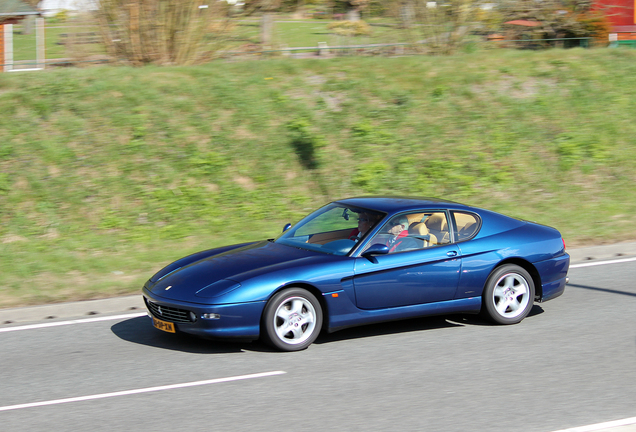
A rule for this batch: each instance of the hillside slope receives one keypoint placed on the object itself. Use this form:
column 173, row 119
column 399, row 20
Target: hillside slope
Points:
column 108, row 173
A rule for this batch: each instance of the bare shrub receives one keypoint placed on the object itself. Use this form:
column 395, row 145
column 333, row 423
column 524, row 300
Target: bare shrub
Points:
column 441, row 26
column 163, row 31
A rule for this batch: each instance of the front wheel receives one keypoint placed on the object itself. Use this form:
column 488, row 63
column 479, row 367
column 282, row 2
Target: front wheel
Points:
column 292, row 320
column 509, row 295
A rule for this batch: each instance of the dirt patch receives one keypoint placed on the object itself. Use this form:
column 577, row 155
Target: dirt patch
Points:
column 509, row 86
column 12, row 238
column 245, row 182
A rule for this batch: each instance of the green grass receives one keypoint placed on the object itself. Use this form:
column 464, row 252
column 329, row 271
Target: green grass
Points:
column 309, row 34
column 24, row 45
column 109, row 173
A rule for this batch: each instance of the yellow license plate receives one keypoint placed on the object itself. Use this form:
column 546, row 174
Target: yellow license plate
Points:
column 162, row 325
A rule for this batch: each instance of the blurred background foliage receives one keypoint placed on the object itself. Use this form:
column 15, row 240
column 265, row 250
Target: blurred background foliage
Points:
column 173, row 32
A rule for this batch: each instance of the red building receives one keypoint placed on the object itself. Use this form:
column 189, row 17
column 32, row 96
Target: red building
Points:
column 622, row 15
column 619, row 12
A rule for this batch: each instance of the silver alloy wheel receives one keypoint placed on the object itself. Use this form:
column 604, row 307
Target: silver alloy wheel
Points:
column 511, row 295
column 295, row 320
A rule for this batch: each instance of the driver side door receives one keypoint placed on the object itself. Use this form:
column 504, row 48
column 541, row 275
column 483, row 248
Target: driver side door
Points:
column 425, row 275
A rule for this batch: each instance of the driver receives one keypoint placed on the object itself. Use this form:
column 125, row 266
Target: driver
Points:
column 365, row 222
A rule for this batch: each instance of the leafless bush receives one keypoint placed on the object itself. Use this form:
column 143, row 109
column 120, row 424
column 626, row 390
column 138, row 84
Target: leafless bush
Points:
column 441, row 26
column 163, row 31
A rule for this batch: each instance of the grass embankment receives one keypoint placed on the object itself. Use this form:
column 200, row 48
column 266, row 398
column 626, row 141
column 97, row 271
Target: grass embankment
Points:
column 107, row 174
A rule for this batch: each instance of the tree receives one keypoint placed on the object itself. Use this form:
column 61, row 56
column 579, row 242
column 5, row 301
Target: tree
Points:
column 353, row 8
column 557, row 19
column 267, row 7
column 33, row 3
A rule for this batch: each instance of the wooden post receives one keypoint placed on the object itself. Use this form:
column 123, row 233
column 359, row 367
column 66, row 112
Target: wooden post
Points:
column 27, row 24
column 267, row 24
column 8, row 47
column 323, row 48
column 39, row 43
column 135, row 38
column 1, row 47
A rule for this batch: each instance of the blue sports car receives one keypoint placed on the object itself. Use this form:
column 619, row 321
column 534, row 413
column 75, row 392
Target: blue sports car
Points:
column 358, row 261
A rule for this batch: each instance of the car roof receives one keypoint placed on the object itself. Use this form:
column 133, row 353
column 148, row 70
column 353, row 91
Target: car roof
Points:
column 393, row 204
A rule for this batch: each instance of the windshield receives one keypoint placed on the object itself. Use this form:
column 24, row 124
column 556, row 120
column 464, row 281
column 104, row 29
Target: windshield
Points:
column 334, row 229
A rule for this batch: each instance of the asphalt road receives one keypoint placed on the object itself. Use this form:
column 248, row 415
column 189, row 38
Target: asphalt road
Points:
column 571, row 363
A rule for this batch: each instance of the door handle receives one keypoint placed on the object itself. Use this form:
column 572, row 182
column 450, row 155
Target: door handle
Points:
column 451, row 253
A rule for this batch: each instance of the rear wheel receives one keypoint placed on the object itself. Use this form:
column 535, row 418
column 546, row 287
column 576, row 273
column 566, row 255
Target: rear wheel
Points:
column 292, row 320
column 509, row 295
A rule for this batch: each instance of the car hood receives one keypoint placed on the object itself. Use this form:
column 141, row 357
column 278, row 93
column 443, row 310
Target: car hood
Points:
column 219, row 274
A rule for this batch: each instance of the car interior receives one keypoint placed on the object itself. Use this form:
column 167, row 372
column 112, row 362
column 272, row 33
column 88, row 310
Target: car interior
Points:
column 426, row 229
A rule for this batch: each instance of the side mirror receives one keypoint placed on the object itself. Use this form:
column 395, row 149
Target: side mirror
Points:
column 286, row 227
column 376, row 249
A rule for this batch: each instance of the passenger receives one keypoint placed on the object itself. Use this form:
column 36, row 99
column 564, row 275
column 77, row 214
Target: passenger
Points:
column 399, row 229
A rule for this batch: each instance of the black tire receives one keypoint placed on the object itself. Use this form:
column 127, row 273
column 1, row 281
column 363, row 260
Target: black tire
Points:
column 508, row 295
column 292, row 320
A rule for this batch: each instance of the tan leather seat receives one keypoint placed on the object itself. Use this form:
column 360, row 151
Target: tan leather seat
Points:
column 463, row 219
column 415, row 218
column 419, row 231
column 436, row 224
column 467, row 231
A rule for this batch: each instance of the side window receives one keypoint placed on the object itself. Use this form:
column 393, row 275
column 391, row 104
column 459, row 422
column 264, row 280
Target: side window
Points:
column 406, row 232
column 467, row 225
column 331, row 220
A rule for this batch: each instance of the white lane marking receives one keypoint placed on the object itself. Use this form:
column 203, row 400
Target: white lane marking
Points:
column 142, row 390
column 600, row 426
column 592, row 264
column 77, row 321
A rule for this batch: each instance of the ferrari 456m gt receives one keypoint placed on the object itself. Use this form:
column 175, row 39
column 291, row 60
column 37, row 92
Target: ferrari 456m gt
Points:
column 358, row 261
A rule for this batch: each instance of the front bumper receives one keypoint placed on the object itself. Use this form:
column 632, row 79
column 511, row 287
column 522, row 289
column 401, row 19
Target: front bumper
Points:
column 238, row 320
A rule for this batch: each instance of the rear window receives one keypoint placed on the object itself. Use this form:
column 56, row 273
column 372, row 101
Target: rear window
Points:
column 467, row 225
